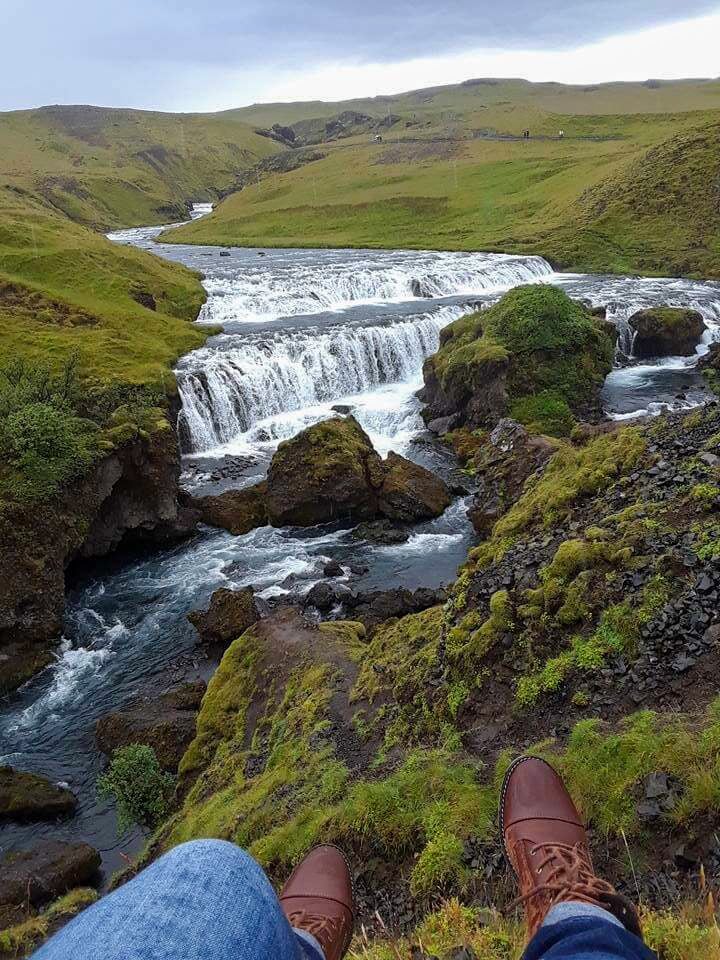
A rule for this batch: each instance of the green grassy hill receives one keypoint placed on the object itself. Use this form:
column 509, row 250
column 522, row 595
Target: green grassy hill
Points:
column 108, row 168
column 451, row 172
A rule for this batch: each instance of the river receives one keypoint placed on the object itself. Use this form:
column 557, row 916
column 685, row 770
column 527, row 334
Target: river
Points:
column 303, row 331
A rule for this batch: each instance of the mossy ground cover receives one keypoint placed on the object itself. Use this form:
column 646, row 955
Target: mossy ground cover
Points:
column 384, row 743
column 21, row 939
column 71, row 301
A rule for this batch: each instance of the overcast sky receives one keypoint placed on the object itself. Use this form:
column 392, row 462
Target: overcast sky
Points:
column 216, row 54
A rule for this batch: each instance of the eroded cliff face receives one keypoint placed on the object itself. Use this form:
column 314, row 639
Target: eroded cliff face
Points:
column 129, row 495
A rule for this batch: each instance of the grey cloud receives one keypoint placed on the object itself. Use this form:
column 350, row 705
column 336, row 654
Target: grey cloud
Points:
column 135, row 52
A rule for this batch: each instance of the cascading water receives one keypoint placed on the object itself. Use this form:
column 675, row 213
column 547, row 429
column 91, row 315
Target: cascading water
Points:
column 303, row 330
column 230, row 386
column 284, row 287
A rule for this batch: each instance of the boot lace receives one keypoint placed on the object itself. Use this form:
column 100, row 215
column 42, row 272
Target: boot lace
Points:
column 569, row 876
column 324, row 929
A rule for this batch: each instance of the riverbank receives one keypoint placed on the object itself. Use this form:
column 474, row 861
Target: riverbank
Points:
column 90, row 332
column 637, row 204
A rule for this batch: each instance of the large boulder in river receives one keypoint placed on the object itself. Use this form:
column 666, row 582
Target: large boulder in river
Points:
column 45, row 872
column 229, row 615
column 238, row 511
column 28, row 797
column 409, row 492
column 332, row 472
column 165, row 723
column 328, row 472
column 666, row 332
column 536, row 355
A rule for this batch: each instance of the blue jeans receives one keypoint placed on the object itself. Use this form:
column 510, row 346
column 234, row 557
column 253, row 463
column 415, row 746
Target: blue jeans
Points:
column 205, row 900
column 208, row 900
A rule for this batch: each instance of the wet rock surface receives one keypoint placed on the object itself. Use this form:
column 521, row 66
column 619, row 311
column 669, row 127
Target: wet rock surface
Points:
column 666, row 332
column 47, row 871
column 28, row 797
column 166, row 723
column 229, row 615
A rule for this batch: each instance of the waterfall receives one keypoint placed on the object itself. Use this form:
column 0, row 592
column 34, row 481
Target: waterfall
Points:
column 621, row 312
column 265, row 291
column 227, row 389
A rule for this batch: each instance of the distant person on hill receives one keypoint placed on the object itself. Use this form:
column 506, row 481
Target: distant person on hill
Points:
column 526, row 134
column 208, row 900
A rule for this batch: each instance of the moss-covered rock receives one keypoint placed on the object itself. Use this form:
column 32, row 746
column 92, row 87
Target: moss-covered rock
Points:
column 329, row 471
column 332, row 472
column 47, row 871
column 409, row 492
column 21, row 934
column 666, row 331
column 28, row 797
column 229, row 615
column 536, row 353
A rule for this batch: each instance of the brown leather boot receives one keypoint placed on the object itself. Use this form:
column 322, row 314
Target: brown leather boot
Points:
column 546, row 845
column 318, row 898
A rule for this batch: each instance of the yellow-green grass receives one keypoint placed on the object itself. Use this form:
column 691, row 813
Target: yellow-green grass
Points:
column 72, row 293
column 586, row 204
column 689, row 932
column 109, row 168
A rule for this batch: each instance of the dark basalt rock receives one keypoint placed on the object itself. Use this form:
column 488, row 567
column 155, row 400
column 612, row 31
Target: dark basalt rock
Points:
column 167, row 724
column 229, row 615
column 238, row 511
column 333, row 569
column 382, row 532
column 666, row 332
column 47, row 871
column 503, row 465
column 131, row 495
column 28, row 797
column 375, row 606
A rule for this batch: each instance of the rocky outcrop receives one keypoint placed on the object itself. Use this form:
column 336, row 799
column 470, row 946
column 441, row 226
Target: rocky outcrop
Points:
column 377, row 606
column 26, row 797
column 47, row 871
column 330, row 472
column 238, row 511
column 131, row 494
column 166, row 723
column 666, row 332
column 502, row 465
column 536, row 355
column 229, row 615
column 410, row 493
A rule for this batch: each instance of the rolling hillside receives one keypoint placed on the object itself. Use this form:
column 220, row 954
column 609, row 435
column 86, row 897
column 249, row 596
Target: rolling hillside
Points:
column 622, row 191
column 108, row 168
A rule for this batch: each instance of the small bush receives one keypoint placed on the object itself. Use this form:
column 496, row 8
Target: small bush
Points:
column 139, row 787
column 43, row 441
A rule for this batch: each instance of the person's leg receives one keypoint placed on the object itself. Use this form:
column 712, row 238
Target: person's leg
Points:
column 579, row 931
column 571, row 913
column 205, row 900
